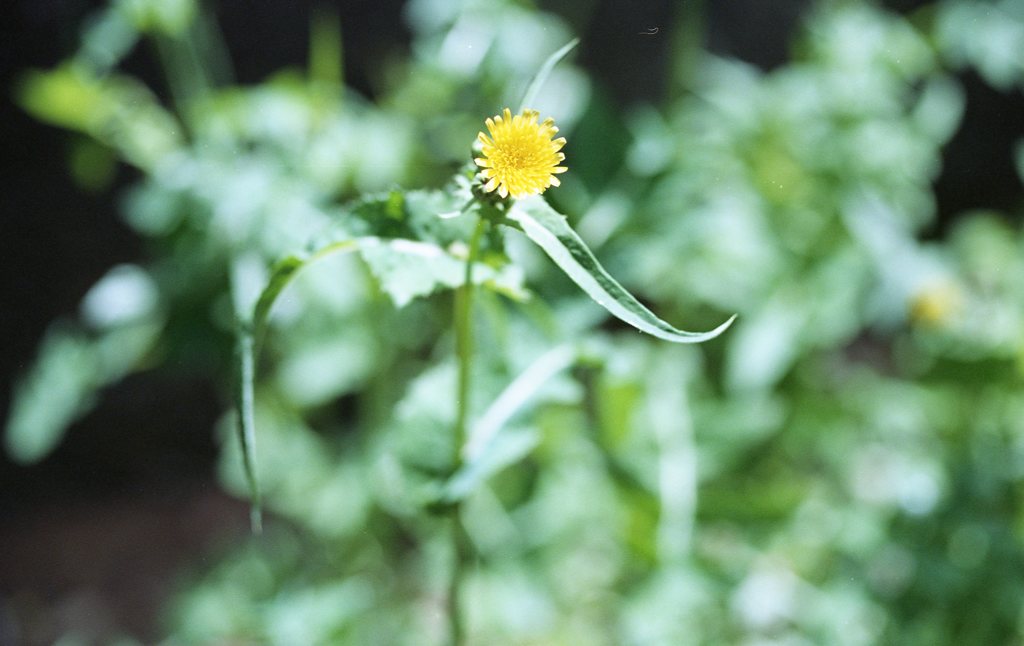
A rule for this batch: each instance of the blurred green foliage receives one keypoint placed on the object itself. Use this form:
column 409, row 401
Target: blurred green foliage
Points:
column 843, row 467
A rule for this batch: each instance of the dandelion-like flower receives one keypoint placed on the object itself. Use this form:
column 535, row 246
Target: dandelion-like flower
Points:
column 520, row 157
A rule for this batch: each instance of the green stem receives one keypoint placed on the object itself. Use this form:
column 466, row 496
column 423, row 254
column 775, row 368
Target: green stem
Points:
column 464, row 350
column 456, row 633
column 464, row 344
column 687, row 46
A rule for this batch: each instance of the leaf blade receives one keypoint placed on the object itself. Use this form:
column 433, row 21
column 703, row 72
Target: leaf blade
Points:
column 248, row 338
column 551, row 232
column 286, row 269
column 245, row 415
column 250, row 331
column 542, row 74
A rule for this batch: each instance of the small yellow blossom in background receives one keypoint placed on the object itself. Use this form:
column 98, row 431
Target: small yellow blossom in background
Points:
column 936, row 303
column 520, row 157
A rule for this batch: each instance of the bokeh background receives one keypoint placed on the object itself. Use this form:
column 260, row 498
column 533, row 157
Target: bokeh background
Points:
column 843, row 466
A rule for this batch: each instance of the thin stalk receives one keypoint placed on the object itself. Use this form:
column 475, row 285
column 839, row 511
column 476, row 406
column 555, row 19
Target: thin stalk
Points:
column 687, row 46
column 464, row 350
column 456, row 632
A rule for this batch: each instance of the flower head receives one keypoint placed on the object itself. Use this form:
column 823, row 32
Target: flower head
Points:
column 520, row 157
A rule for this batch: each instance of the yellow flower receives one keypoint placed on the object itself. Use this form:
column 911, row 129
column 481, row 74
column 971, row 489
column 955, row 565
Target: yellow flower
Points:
column 937, row 303
column 520, row 157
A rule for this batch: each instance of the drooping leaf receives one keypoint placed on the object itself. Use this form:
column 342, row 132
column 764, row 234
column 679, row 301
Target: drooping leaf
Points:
column 284, row 271
column 405, row 269
column 245, row 414
column 249, row 336
column 552, row 233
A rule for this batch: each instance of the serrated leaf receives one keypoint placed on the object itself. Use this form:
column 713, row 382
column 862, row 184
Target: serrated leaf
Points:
column 407, row 269
column 414, row 215
column 552, row 233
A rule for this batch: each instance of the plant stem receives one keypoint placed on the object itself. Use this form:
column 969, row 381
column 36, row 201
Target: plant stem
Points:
column 464, row 345
column 456, row 633
column 687, row 46
column 464, row 350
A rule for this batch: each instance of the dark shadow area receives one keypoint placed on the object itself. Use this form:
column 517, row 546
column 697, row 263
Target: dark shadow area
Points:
column 978, row 165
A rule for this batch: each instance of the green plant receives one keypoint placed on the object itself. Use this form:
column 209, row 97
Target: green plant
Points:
column 841, row 467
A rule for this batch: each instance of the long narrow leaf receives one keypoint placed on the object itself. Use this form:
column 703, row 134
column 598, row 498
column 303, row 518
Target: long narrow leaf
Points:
column 285, row 270
column 542, row 74
column 492, row 445
column 249, row 336
column 550, row 231
column 515, row 397
column 503, row 450
column 246, row 421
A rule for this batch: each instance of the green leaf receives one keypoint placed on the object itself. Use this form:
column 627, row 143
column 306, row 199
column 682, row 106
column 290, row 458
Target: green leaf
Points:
column 59, row 389
column 117, row 111
column 65, row 97
column 245, row 414
column 120, row 323
column 550, row 231
column 542, row 74
column 492, row 446
column 108, row 39
column 285, row 270
column 405, row 269
column 167, row 17
column 63, row 384
column 501, row 451
column 515, row 397
column 249, row 336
